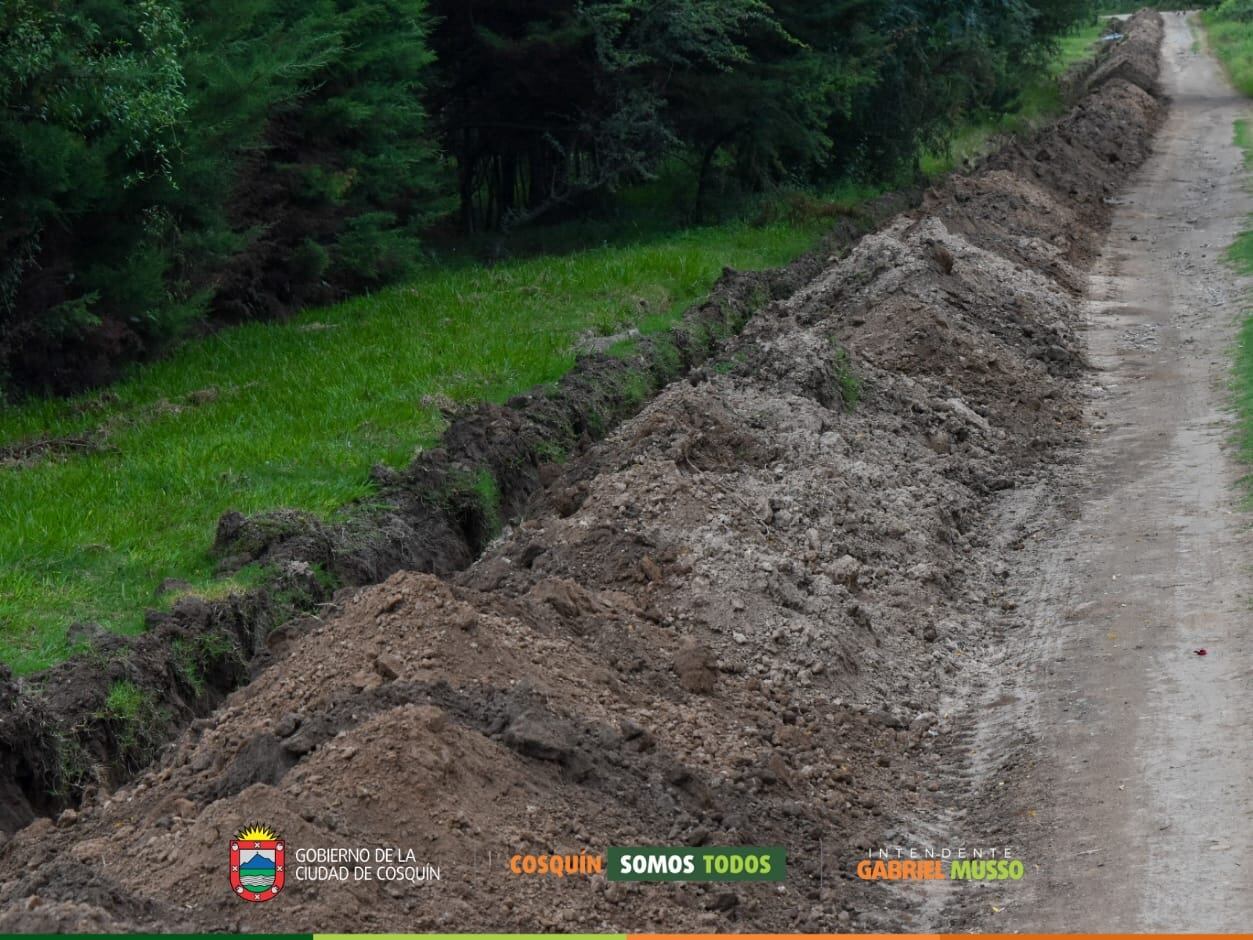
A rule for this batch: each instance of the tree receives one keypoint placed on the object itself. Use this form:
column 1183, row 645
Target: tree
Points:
column 543, row 102
column 91, row 102
column 237, row 157
column 318, row 105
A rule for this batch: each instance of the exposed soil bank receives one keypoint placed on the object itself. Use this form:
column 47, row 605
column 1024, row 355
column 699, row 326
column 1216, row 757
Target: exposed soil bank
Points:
column 731, row 621
column 59, row 736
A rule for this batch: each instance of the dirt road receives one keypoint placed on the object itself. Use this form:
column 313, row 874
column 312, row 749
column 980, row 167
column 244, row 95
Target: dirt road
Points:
column 1142, row 800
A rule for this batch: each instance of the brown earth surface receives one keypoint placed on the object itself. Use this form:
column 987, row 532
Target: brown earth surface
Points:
column 60, row 740
column 739, row 619
column 1120, row 752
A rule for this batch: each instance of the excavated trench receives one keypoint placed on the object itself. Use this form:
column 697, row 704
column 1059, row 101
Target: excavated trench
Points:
column 58, row 738
column 732, row 620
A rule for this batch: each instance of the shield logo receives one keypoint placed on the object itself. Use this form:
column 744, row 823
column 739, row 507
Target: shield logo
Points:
column 257, row 864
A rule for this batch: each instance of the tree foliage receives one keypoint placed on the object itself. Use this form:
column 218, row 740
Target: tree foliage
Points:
column 542, row 102
column 168, row 162
column 91, row 103
column 164, row 161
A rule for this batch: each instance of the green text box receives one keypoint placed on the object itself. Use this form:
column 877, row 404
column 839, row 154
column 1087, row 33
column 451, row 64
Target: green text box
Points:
column 697, row 863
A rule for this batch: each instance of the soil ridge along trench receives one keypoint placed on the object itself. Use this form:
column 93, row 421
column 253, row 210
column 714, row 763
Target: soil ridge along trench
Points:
column 733, row 620
column 58, row 736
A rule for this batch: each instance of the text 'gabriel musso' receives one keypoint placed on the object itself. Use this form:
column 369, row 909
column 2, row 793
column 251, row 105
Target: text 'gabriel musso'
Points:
column 982, row 865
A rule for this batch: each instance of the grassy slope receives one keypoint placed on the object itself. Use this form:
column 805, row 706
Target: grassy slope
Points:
column 1232, row 42
column 1241, row 255
column 302, row 411
column 295, row 414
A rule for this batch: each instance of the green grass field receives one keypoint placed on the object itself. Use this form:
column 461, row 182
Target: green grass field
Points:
column 264, row 415
column 1231, row 38
column 1240, row 253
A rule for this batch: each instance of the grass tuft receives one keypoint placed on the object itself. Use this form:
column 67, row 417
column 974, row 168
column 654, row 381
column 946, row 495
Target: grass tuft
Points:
column 848, row 383
column 125, row 702
column 135, row 718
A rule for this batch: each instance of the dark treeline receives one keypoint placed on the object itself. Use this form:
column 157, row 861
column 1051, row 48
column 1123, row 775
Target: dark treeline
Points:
column 166, row 164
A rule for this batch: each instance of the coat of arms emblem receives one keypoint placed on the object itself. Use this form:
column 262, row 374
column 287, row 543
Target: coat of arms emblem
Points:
column 257, row 863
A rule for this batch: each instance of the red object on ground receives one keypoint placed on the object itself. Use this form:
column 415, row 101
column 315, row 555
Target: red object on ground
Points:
column 1201, row 652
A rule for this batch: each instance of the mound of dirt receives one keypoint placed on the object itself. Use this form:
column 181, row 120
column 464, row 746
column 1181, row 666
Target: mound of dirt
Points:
column 1136, row 59
column 59, row 738
column 729, row 622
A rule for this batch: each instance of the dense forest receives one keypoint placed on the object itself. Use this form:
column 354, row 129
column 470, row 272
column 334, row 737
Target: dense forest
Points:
column 169, row 164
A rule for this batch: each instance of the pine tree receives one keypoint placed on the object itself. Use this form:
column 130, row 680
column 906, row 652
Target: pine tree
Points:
column 234, row 156
column 91, row 100
column 319, row 106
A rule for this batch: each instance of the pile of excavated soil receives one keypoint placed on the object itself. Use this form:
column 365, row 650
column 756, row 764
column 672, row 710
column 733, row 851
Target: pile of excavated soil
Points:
column 730, row 622
column 58, row 736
